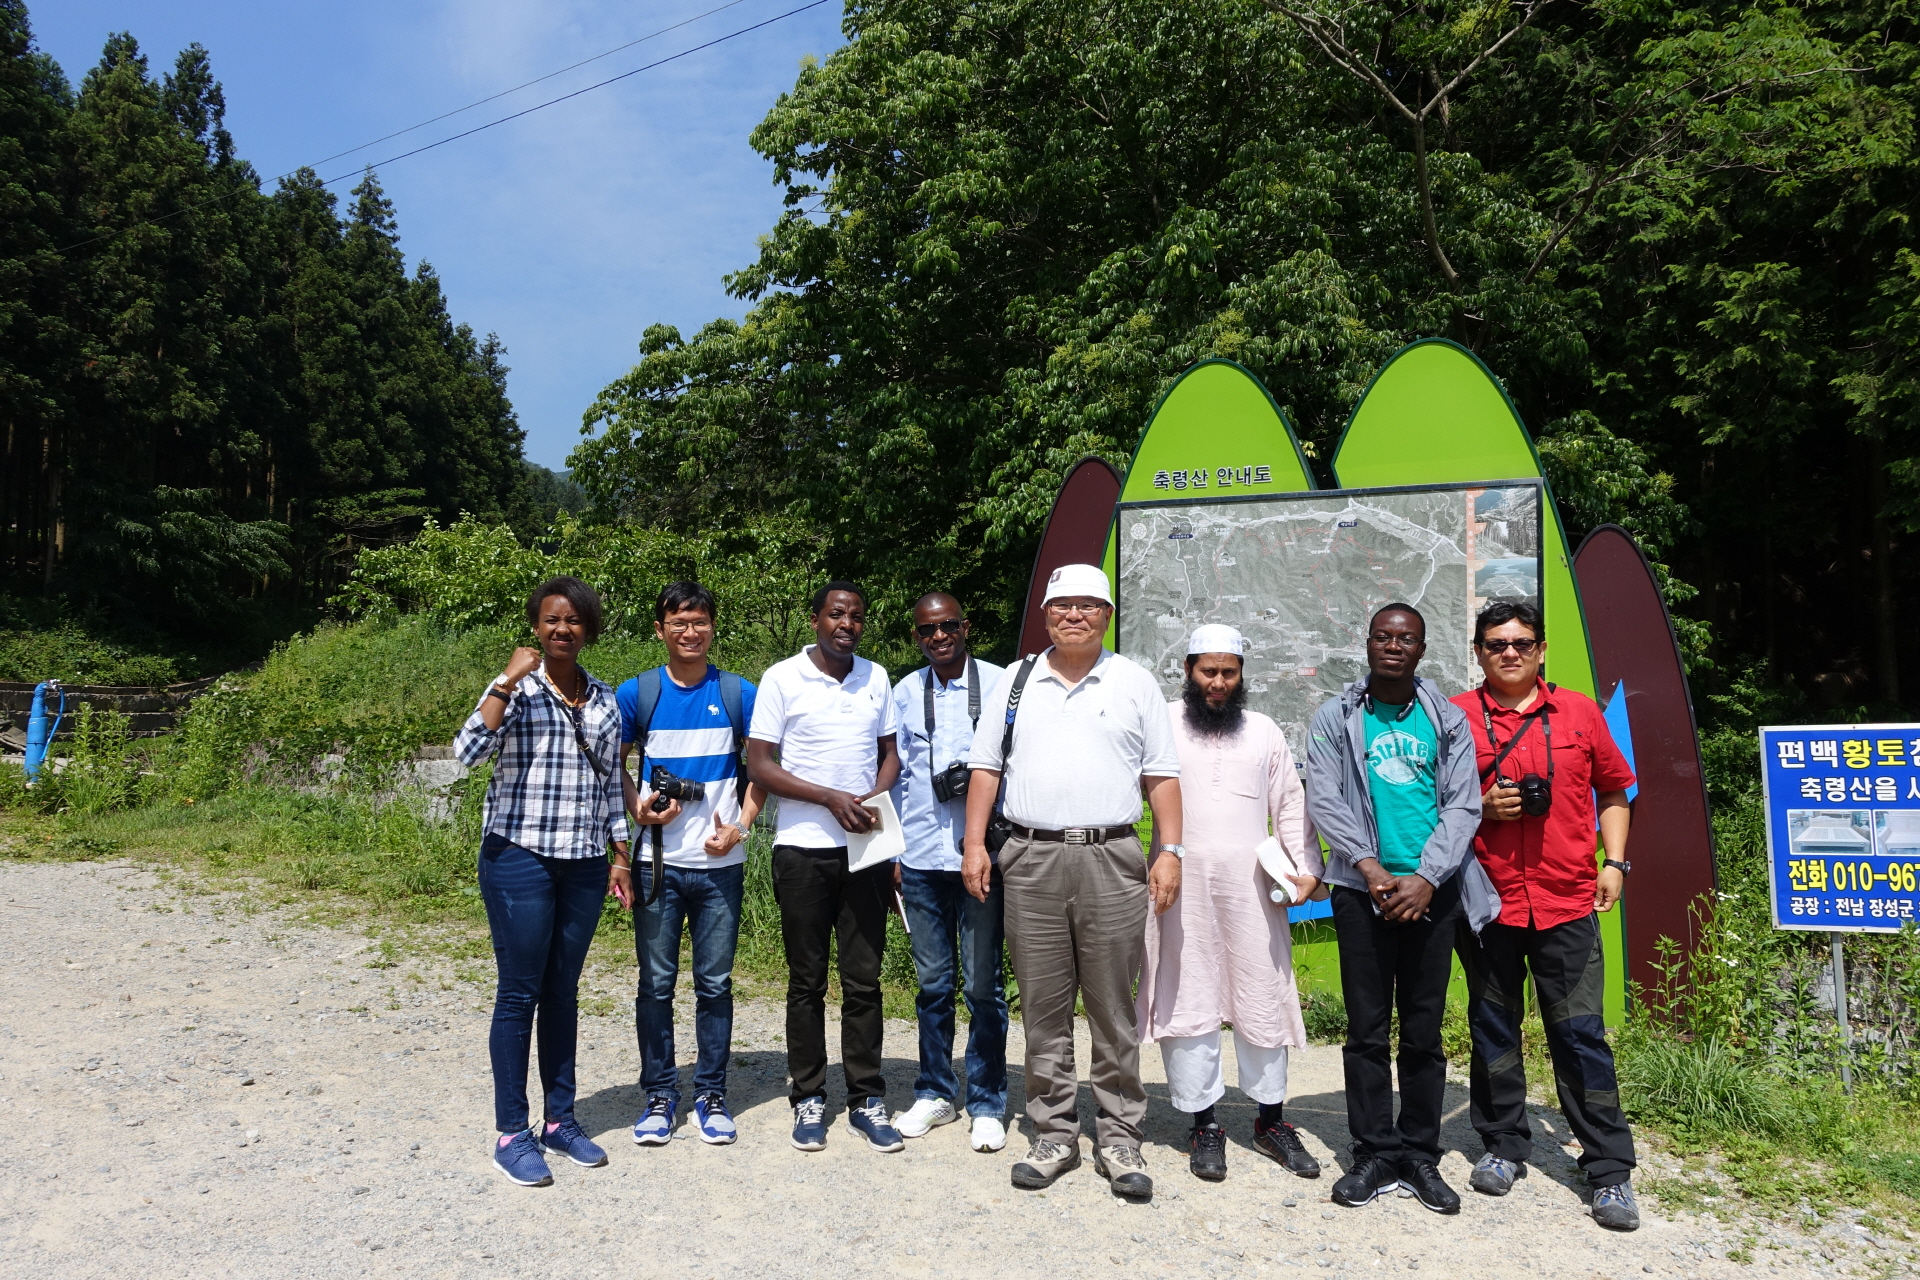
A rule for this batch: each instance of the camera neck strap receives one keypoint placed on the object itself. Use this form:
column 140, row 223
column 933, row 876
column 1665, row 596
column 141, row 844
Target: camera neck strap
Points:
column 1546, row 728
column 973, row 697
column 574, row 715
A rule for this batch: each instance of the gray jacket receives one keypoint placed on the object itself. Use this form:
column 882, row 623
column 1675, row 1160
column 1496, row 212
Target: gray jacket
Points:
column 1341, row 805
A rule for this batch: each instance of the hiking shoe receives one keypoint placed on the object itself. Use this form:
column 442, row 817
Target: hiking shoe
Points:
column 520, row 1160
column 1047, row 1161
column 1282, row 1143
column 712, row 1121
column 654, row 1128
column 1615, row 1209
column 989, row 1134
column 1422, row 1177
column 567, row 1139
column 1207, row 1145
column 810, row 1124
column 1126, row 1172
column 1369, row 1177
column 871, row 1120
column 1495, row 1176
column 920, row 1119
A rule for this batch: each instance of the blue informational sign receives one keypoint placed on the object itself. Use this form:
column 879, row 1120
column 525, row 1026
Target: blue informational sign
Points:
column 1843, row 825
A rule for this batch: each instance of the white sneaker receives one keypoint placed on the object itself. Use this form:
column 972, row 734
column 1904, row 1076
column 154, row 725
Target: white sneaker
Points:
column 925, row 1113
column 988, row 1134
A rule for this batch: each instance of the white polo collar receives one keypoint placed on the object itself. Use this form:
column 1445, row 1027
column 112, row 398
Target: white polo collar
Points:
column 1047, row 672
column 810, row 670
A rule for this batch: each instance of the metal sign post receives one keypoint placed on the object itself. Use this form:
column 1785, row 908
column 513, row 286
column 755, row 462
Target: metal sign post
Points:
column 1840, row 1012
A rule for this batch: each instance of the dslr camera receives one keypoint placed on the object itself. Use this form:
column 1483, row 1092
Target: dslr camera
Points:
column 951, row 782
column 1536, row 794
column 668, row 787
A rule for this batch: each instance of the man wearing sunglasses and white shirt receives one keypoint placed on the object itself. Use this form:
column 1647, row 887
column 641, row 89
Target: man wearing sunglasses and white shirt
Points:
column 936, row 708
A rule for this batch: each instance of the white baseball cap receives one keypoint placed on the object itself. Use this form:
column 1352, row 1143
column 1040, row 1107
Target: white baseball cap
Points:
column 1079, row 580
column 1216, row 637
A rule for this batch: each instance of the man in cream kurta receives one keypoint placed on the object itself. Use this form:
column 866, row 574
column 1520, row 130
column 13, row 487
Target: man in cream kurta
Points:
column 1224, row 952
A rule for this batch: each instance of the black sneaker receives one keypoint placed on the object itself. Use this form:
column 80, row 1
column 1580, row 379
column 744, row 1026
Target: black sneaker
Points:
column 1370, row 1176
column 1208, row 1143
column 1282, row 1143
column 1419, row 1175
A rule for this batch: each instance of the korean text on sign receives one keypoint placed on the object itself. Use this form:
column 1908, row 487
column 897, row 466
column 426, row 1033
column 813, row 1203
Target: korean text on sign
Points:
column 1843, row 825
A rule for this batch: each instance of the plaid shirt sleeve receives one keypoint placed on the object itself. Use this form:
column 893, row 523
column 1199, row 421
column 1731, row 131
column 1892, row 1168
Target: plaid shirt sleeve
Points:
column 546, row 796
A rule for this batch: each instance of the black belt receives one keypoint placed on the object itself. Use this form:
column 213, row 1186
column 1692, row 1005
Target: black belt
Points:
column 1073, row 835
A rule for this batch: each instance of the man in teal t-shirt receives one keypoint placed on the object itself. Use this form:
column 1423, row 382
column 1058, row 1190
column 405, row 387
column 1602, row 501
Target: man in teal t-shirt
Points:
column 1392, row 789
column 1401, row 750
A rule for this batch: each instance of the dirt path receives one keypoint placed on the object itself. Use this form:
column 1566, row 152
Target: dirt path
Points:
column 195, row 1090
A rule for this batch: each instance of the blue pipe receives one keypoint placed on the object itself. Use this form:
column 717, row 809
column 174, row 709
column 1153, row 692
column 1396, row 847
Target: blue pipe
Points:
column 39, row 732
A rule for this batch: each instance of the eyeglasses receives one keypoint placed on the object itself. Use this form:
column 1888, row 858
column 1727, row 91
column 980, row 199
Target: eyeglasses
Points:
column 681, row 628
column 1406, row 639
column 1067, row 608
column 1496, row 647
column 946, row 627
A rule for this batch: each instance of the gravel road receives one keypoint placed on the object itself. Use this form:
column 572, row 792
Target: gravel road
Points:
column 201, row 1090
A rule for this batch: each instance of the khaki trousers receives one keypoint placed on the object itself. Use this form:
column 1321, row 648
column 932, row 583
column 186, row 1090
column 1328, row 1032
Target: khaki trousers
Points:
column 1076, row 924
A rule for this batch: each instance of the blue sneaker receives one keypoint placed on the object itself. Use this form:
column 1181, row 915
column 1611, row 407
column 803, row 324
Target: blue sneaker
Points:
column 567, row 1139
column 712, row 1120
column 810, row 1124
column 654, row 1128
column 520, row 1161
column 871, row 1119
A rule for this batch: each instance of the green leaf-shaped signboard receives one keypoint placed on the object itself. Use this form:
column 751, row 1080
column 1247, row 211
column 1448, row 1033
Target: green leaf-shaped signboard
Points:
column 1218, row 433
column 1435, row 415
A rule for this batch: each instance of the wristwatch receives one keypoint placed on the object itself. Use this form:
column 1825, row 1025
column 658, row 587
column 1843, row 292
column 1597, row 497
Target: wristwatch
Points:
column 1177, row 850
column 1626, row 868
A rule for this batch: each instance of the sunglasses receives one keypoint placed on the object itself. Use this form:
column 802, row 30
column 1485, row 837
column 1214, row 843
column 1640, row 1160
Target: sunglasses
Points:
column 1521, row 647
column 946, row 627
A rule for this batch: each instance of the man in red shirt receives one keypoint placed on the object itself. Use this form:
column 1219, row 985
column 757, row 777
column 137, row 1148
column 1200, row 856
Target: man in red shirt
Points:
column 1543, row 754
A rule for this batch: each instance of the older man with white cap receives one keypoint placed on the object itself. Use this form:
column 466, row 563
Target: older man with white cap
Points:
column 1224, row 952
column 1076, row 734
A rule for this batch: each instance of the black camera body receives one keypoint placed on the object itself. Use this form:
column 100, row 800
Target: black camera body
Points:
column 951, row 782
column 668, row 787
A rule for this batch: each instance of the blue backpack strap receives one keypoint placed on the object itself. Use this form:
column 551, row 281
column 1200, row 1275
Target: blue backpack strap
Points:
column 646, row 689
column 734, row 703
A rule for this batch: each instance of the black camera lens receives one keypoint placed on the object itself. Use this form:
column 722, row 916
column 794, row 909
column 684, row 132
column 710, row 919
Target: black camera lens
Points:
column 1536, row 795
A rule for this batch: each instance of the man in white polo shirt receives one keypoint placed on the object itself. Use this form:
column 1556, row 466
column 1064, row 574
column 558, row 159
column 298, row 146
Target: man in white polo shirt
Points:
column 830, row 717
column 1089, row 733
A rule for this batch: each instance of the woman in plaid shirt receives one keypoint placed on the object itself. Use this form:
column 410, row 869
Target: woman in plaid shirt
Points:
column 553, row 807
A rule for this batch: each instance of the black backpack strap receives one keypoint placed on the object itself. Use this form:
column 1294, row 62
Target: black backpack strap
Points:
column 733, row 702
column 973, row 692
column 1013, row 709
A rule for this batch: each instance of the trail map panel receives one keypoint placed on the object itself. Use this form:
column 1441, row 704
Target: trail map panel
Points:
column 1301, row 574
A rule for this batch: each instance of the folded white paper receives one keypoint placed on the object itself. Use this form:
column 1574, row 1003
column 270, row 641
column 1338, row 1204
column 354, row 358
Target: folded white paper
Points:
column 882, row 844
column 1274, row 863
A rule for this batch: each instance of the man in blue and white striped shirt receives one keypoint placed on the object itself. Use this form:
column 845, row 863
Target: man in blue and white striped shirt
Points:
column 689, row 718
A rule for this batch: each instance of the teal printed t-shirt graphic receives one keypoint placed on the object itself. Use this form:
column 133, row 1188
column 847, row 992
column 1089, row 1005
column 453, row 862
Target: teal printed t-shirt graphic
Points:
column 1400, row 763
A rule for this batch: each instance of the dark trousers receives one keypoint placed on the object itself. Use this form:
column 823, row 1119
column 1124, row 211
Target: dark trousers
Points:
column 955, row 933
column 542, row 912
column 822, row 902
column 706, row 902
column 1383, row 967
column 1569, row 980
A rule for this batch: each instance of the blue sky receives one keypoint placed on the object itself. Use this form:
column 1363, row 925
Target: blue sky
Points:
column 566, row 232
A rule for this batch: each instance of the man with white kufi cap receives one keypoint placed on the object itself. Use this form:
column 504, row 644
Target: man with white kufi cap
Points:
column 1224, row 951
column 1076, row 734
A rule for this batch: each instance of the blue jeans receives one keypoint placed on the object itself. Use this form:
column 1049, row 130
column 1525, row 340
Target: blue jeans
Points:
column 542, row 912
column 708, row 903
column 950, row 925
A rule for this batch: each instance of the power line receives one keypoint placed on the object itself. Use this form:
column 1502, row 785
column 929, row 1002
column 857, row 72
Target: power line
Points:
column 731, row 35
column 448, row 115
column 814, row 4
